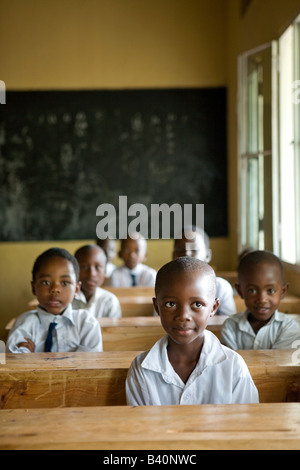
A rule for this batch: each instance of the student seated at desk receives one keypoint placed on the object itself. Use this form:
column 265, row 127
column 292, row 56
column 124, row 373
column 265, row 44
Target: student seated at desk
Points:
column 189, row 365
column 54, row 325
column 261, row 326
column 134, row 273
column 197, row 246
column 109, row 247
column 99, row 302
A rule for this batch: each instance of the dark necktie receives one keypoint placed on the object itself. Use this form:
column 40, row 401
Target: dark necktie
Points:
column 133, row 277
column 49, row 339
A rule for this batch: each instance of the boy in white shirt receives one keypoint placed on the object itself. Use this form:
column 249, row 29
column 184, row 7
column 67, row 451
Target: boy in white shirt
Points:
column 54, row 325
column 189, row 365
column 134, row 273
column 197, row 246
column 261, row 326
column 109, row 247
column 92, row 267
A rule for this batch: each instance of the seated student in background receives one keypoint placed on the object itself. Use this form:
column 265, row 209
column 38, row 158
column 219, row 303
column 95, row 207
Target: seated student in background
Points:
column 197, row 246
column 133, row 252
column 54, row 325
column 189, row 365
column 109, row 247
column 99, row 302
column 261, row 326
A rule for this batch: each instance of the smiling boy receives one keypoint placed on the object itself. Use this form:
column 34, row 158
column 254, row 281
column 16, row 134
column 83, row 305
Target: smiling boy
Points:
column 188, row 365
column 261, row 326
column 54, row 325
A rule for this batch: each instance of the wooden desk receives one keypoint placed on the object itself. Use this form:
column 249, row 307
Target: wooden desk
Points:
column 263, row 426
column 140, row 333
column 53, row 380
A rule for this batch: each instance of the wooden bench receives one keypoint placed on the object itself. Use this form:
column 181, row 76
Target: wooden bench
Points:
column 53, row 380
column 244, row 427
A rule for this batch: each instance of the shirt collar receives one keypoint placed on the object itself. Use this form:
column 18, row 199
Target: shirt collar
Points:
column 136, row 270
column 46, row 317
column 80, row 296
column 244, row 323
column 157, row 358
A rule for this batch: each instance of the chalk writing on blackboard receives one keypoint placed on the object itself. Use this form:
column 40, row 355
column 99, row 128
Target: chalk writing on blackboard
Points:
column 63, row 153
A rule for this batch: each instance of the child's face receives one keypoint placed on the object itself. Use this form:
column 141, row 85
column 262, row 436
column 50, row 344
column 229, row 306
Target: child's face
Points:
column 185, row 303
column 262, row 290
column 55, row 285
column 132, row 253
column 194, row 247
column 92, row 265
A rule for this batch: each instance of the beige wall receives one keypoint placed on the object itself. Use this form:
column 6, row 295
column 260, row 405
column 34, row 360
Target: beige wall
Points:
column 112, row 43
column 73, row 44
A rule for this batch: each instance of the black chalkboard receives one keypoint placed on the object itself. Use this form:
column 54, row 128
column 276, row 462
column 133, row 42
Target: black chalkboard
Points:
column 63, row 153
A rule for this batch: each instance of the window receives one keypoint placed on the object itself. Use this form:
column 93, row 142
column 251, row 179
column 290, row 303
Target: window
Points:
column 269, row 146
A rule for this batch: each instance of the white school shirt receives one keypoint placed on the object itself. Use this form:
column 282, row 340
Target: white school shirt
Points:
column 76, row 330
column 224, row 293
column 279, row 333
column 102, row 304
column 121, row 276
column 221, row 376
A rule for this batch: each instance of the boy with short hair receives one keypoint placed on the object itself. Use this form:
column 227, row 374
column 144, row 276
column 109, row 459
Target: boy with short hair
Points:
column 133, row 273
column 189, row 365
column 99, row 302
column 197, row 246
column 260, row 326
column 54, row 325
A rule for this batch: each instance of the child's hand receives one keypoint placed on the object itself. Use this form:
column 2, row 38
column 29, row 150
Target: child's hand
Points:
column 27, row 344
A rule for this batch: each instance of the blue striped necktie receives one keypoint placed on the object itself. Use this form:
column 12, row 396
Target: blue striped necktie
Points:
column 49, row 339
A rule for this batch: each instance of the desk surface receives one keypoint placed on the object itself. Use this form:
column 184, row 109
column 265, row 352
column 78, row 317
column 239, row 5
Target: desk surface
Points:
column 263, row 426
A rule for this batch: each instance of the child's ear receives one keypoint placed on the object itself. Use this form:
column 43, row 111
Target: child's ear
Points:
column 33, row 287
column 155, row 305
column 284, row 290
column 215, row 307
column 239, row 290
column 78, row 287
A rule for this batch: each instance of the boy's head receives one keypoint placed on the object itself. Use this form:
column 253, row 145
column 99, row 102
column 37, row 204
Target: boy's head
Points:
column 109, row 247
column 185, row 291
column 133, row 250
column 195, row 243
column 92, row 264
column 55, row 280
column 261, row 283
